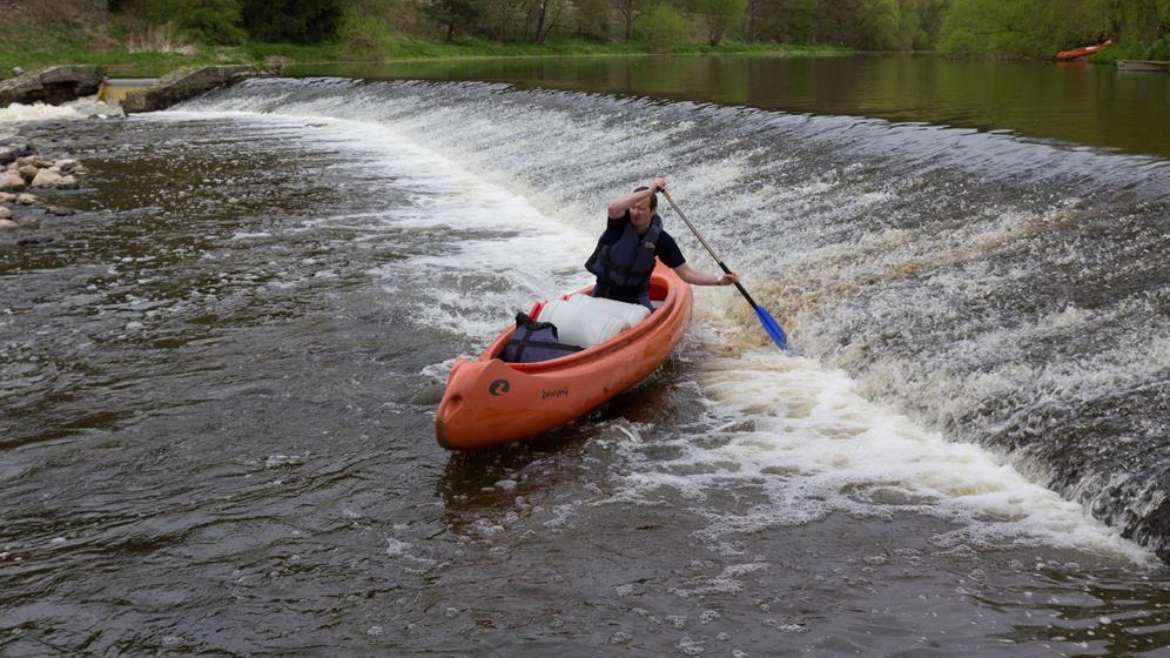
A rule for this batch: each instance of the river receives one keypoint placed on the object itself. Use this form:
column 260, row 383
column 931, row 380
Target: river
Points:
column 219, row 381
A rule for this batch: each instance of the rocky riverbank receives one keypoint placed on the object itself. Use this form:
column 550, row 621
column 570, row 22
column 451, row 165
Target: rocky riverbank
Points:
column 24, row 172
column 26, row 175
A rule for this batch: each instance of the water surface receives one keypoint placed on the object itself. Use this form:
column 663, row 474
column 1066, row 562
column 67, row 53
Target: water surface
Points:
column 219, row 381
column 1079, row 103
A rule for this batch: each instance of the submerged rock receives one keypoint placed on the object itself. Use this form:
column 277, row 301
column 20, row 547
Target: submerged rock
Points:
column 10, row 152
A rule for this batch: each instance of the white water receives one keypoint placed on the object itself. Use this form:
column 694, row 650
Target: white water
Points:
column 813, row 445
column 531, row 183
column 82, row 108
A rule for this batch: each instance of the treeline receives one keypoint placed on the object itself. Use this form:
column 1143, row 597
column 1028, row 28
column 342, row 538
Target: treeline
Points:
column 1033, row 28
column 1140, row 29
column 661, row 24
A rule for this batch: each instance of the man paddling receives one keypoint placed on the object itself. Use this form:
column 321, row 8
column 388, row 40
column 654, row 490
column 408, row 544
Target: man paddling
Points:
column 624, row 256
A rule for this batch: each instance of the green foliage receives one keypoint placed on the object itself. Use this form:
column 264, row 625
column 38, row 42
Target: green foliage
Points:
column 453, row 16
column 785, row 21
column 1040, row 28
column 663, row 29
column 363, row 36
column 592, row 19
column 322, row 52
column 294, row 21
column 119, row 62
column 213, row 22
column 1159, row 50
column 723, row 17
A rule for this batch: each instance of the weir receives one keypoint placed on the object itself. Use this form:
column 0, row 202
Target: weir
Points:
column 1007, row 292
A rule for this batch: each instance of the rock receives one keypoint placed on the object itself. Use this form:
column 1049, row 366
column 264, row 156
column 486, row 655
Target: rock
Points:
column 48, row 178
column 7, row 197
column 28, row 172
column 181, row 85
column 68, row 165
column 11, row 181
column 34, row 161
column 27, row 199
column 60, row 211
column 54, row 85
column 8, row 225
column 274, row 64
column 11, row 152
column 5, row 213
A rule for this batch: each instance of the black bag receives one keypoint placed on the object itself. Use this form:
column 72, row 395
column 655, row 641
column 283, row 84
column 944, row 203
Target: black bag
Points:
column 534, row 341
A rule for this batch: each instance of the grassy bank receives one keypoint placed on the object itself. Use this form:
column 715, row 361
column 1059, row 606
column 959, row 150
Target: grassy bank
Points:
column 159, row 63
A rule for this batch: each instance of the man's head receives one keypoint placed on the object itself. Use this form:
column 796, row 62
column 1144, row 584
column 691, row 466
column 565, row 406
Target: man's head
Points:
column 642, row 212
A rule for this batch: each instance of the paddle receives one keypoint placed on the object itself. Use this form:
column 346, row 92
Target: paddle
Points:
column 770, row 324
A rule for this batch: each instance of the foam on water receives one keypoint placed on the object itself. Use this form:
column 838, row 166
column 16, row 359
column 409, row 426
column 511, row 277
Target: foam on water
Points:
column 803, row 436
column 82, row 108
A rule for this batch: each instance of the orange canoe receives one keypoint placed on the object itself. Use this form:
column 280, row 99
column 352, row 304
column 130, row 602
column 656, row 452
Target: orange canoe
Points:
column 488, row 402
column 1081, row 52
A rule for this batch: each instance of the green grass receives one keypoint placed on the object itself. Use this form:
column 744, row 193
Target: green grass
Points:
column 389, row 48
column 121, row 61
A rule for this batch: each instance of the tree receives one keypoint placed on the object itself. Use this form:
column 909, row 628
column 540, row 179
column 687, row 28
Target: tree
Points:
column 211, row 21
column 544, row 23
column 295, row 21
column 662, row 29
column 723, row 16
column 592, row 19
column 629, row 10
column 453, row 15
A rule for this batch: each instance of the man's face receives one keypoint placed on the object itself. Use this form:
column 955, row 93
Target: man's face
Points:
column 640, row 215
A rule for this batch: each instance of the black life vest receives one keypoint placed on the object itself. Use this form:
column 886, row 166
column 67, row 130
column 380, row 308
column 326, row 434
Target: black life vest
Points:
column 628, row 262
column 534, row 341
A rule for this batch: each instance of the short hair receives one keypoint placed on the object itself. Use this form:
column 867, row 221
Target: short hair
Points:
column 653, row 197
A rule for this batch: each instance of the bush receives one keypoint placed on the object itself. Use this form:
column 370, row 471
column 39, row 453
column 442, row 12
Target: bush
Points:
column 663, row 29
column 723, row 17
column 211, row 21
column 363, row 36
column 293, row 21
column 1160, row 49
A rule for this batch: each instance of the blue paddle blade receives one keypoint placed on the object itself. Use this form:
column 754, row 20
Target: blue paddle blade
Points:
column 772, row 327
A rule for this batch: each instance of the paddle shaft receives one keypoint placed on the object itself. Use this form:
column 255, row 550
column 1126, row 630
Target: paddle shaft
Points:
column 708, row 248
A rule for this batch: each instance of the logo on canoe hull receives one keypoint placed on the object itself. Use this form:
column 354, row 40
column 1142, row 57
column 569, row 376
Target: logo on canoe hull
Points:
column 546, row 393
column 499, row 387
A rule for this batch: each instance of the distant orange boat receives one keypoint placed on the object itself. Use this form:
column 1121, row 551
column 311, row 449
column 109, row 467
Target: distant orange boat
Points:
column 1081, row 52
column 489, row 401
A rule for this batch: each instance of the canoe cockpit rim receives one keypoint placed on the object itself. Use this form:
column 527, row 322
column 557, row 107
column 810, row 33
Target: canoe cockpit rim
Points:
column 669, row 307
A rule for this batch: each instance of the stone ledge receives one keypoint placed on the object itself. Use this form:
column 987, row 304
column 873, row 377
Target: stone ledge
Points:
column 53, row 85
column 183, row 84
